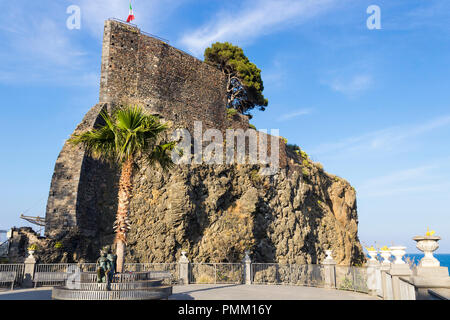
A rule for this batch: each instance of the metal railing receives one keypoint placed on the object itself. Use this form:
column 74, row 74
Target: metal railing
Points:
column 351, row 278
column 173, row 268
column 288, row 274
column 60, row 293
column 216, row 273
column 64, row 267
column 4, row 249
column 152, row 36
column 142, row 32
column 53, row 274
column 124, row 22
column 18, row 269
column 346, row 278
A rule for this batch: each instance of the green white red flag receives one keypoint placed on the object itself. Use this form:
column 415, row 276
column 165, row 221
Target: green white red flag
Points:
column 131, row 15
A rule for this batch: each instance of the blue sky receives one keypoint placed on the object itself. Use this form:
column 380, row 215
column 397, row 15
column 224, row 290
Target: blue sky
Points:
column 371, row 105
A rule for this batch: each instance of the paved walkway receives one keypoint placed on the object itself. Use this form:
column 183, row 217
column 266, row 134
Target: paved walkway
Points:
column 44, row 293
column 220, row 292
column 262, row 292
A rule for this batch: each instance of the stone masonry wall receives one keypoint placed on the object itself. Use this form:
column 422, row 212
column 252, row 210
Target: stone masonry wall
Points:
column 61, row 209
column 181, row 88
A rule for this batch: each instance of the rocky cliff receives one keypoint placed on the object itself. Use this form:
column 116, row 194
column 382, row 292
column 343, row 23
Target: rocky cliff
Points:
column 216, row 212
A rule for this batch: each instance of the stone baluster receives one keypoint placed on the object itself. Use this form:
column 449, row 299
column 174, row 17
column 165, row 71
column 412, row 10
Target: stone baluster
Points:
column 373, row 274
column 30, row 264
column 329, row 266
column 399, row 269
column 184, row 268
column 384, row 270
column 247, row 268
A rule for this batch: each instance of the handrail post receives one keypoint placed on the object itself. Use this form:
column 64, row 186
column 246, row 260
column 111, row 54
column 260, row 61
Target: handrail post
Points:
column 184, row 268
column 247, row 268
column 398, row 269
column 30, row 264
column 373, row 271
column 329, row 266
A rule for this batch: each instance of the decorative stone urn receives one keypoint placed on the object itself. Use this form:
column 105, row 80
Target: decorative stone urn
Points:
column 428, row 244
column 183, row 258
column 398, row 252
column 247, row 257
column 373, row 255
column 30, row 256
column 329, row 253
column 386, row 254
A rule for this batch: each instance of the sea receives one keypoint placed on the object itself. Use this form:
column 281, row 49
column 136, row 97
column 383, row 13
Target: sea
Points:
column 444, row 258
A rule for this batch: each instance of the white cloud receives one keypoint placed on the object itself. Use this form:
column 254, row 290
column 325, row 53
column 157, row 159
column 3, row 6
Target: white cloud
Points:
column 432, row 14
column 295, row 114
column 385, row 139
column 353, row 85
column 254, row 19
column 38, row 48
column 427, row 178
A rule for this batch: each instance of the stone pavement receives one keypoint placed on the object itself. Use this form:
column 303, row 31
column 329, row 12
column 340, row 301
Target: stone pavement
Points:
column 221, row 292
column 261, row 292
column 44, row 293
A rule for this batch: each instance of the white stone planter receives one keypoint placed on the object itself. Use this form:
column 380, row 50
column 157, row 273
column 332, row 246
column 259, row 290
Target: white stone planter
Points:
column 398, row 252
column 30, row 258
column 247, row 257
column 328, row 253
column 183, row 258
column 386, row 255
column 428, row 244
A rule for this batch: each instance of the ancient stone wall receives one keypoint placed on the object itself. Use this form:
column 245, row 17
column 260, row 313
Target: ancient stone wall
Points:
column 63, row 197
column 167, row 81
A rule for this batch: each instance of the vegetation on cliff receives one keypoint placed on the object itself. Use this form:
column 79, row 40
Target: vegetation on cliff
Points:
column 244, row 83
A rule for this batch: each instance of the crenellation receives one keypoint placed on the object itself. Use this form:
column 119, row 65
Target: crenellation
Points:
column 164, row 79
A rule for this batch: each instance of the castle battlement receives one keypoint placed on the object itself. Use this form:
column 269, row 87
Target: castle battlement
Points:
column 166, row 80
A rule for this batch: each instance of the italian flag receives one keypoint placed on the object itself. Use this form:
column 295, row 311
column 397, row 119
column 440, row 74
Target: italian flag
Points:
column 131, row 15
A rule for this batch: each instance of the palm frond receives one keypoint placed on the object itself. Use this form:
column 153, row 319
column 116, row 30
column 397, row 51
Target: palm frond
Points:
column 129, row 132
column 99, row 143
column 162, row 154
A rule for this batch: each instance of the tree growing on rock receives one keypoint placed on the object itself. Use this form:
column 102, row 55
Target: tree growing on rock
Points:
column 126, row 135
column 244, row 84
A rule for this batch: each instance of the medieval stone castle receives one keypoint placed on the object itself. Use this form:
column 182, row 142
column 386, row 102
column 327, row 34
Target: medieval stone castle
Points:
column 291, row 217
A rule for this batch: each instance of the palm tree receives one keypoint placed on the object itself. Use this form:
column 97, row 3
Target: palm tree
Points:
column 126, row 135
